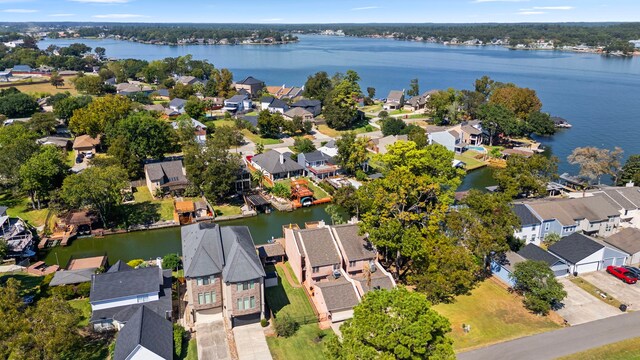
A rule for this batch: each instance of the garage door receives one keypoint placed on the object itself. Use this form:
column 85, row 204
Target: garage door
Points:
column 245, row 319
column 608, row 262
column 208, row 316
column 341, row 316
column 588, row 267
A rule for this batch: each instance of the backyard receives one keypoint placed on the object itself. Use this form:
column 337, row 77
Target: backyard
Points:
column 287, row 298
column 254, row 138
column 44, row 87
column 21, row 207
column 29, row 284
column 363, row 128
column 307, row 343
column 469, row 158
column 85, row 309
column 494, row 315
column 624, row 350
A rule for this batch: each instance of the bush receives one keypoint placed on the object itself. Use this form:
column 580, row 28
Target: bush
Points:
column 285, row 326
column 281, row 190
column 65, row 292
column 264, row 323
column 135, row 263
column 361, row 175
column 179, row 335
column 83, row 290
column 170, row 261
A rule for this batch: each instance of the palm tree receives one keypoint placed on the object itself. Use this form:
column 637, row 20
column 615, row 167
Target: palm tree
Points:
column 257, row 177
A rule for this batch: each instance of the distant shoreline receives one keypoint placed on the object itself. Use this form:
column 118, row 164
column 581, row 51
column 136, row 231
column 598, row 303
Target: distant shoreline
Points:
column 152, row 42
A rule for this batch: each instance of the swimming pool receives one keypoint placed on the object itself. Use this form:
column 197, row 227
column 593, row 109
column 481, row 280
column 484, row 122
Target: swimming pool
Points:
column 479, row 149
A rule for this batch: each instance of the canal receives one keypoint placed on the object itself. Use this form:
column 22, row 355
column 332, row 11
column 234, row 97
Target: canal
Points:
column 154, row 243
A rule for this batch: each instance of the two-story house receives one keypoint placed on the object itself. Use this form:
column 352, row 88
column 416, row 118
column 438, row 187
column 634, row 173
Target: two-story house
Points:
column 530, row 225
column 238, row 103
column 166, row 177
column 199, row 130
column 116, row 294
column 318, row 165
column 395, row 100
column 145, row 336
column 312, row 106
column 177, row 105
column 275, row 165
column 225, row 278
column 298, row 112
column 380, row 145
column 274, row 105
column 251, row 85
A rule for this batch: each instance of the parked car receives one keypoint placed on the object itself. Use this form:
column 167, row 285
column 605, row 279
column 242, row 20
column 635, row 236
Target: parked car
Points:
column 622, row 274
column 89, row 155
column 79, row 159
column 634, row 270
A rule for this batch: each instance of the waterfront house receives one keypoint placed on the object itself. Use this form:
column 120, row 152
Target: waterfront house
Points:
column 177, row 105
column 17, row 235
column 72, row 277
column 472, row 134
column 130, row 89
column 86, row 143
column 166, row 177
column 318, row 165
column 225, row 278
column 274, row 105
column 119, row 292
column 450, row 139
column 530, row 224
column 299, row 112
column 250, row 85
column 395, row 100
column 238, row 103
column 199, row 130
column 584, row 254
column 188, row 80
column 419, row 102
column 380, row 145
column 312, row 106
column 145, row 336
column 275, row 165
column 283, row 92
column 625, row 199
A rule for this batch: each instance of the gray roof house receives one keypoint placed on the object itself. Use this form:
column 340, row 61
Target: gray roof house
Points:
column 273, row 105
column 224, row 274
column 533, row 252
column 318, row 164
column 276, row 165
column 585, row 254
column 312, row 106
column 395, row 100
column 627, row 240
column 168, row 176
column 251, row 85
column 146, row 335
column 503, row 267
column 72, row 277
column 177, row 105
column 530, row 224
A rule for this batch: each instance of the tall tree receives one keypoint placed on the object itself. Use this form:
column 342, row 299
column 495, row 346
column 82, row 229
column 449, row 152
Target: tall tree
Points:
column 395, row 324
column 595, row 162
column 414, row 88
column 147, row 137
column 521, row 101
column 43, row 123
column 101, row 113
column 43, row 173
column 341, row 106
column 195, row 108
column 89, row 85
column 352, row 152
column 526, row 177
column 18, row 145
column 540, row 124
column 17, row 105
column 371, row 92
column 212, row 168
column 537, row 282
column 64, row 108
column 270, row 124
column 318, row 86
column 56, row 80
column 224, row 81
column 630, row 172
column 497, row 120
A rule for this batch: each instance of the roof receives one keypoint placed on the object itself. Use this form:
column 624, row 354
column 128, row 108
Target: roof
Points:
column 252, row 119
column 355, row 246
column 114, row 285
column 177, row 103
column 119, row 266
column 69, row 277
column 236, row 98
column 185, row 206
column 525, row 215
column 270, row 250
column 575, row 247
column 384, row 142
column 297, row 111
column 395, row 96
column 251, row 81
column 242, row 261
column 147, row 329
column 534, row 252
column 627, row 198
column 22, row 68
column 3, row 210
column 154, row 107
column 627, row 240
column 339, row 294
column 270, row 162
column 87, row 263
column 274, row 102
column 471, row 130
column 162, row 92
column 317, row 155
column 319, row 247
column 132, row 88
column 567, row 211
column 378, row 281
column 84, row 141
column 305, row 103
column 510, row 260
column 171, row 171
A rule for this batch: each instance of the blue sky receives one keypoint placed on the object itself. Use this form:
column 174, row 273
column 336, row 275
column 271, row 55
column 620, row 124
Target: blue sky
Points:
column 320, row 11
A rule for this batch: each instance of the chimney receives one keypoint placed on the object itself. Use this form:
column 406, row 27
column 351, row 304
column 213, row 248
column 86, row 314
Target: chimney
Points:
column 321, row 224
column 159, row 263
column 281, row 158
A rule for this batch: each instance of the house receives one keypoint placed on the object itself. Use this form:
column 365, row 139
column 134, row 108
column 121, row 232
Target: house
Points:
column 360, row 259
column 450, row 139
column 312, row 106
column 380, row 145
column 119, row 292
column 166, row 177
column 154, row 107
column 584, row 254
column 251, row 85
column 110, row 81
column 177, row 105
column 318, row 165
column 129, row 89
column 5, row 75
column 17, row 235
column 188, row 80
column 274, row 105
column 316, row 262
column 627, row 240
column 299, row 112
column 199, row 130
column 419, row 102
column 224, row 275
column 86, row 143
column 472, row 134
column 275, row 165
column 330, row 149
column 145, row 336
column 238, row 103
column 60, row 142
column 283, row 92
column 504, row 266
column 72, row 277
column 22, row 69
column 530, row 225
column 535, row 253
column 161, row 94
column 625, row 199
column 395, row 100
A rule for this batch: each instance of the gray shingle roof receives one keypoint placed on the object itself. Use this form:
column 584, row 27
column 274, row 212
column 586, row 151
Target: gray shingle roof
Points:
column 177, row 103
column 319, row 246
column 119, row 266
column 68, row 277
column 242, row 261
column 355, row 245
column 251, row 81
column 627, row 240
column 575, row 247
column 339, row 295
column 236, row 98
column 395, row 96
column 170, row 171
column 270, row 162
column 525, row 215
column 147, row 329
column 533, row 252
column 113, row 285
column 378, row 281
column 305, row 103
column 317, row 156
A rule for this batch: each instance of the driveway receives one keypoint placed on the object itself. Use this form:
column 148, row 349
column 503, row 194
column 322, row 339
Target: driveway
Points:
column 581, row 307
column 212, row 341
column 625, row 293
column 251, row 343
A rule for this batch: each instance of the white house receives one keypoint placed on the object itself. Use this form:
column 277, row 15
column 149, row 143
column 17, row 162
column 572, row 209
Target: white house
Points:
column 530, row 225
column 238, row 103
column 584, row 254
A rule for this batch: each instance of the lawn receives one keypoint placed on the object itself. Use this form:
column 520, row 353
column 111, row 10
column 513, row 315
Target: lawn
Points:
column 21, row 207
column 227, row 210
column 307, row 343
column 468, row 157
column 85, row 308
column 593, row 290
column 323, row 128
column 165, row 209
column 257, row 138
column 29, row 284
column 224, row 123
column 624, row 350
column 494, row 314
column 287, row 299
column 318, row 192
column 192, row 350
column 45, row 87
column 372, row 109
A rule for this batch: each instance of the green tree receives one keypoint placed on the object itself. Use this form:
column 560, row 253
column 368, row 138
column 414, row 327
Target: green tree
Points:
column 595, row 162
column 414, row 88
column 496, row 120
column 90, row 85
column 303, row 145
column 18, row 145
column 538, row 284
column 224, row 81
column 520, row 101
column 43, row 123
column 146, row 136
column 4, row 248
column 18, row 105
column 551, row 238
column 540, row 124
column 228, row 136
column 42, row 173
column 371, row 92
column 281, row 190
column 630, row 172
column 526, row 177
column 259, row 147
column 179, row 336
column 393, row 126
column 352, row 152
column 56, row 80
column 101, row 113
column 270, row 124
column 334, row 212
column 341, row 106
column 318, row 86
column 64, row 108
column 195, row 108
column 181, row 91
column 395, row 324
column 171, row 261
column 212, row 169
column 97, row 188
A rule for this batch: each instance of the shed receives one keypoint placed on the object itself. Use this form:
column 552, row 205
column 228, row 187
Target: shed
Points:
column 271, row 253
column 627, row 240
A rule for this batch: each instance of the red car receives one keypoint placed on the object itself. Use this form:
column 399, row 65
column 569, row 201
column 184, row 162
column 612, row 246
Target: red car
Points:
column 622, row 274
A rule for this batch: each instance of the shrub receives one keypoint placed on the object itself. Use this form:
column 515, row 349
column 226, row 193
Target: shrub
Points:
column 264, row 323
column 135, row 263
column 65, row 292
column 179, row 335
column 170, row 261
column 83, row 290
column 285, row 326
column 361, row 175
column 281, row 190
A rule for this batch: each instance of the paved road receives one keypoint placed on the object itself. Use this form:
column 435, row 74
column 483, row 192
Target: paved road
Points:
column 566, row 341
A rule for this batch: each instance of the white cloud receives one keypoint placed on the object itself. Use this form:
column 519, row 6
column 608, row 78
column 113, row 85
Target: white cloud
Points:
column 530, row 12
column 20, row 11
column 271, row 20
column 119, row 16
column 61, row 15
column 102, row 1
column 365, row 8
column 490, row 1
column 553, row 8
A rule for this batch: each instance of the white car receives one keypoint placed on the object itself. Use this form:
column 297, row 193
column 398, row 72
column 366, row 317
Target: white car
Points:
column 89, row 155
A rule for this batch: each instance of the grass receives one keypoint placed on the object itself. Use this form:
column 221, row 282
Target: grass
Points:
column 593, row 290
column 318, row 192
column 494, row 314
column 21, row 207
column 399, row 112
column 257, row 138
column 227, row 210
column 323, row 128
column 307, row 343
column 85, row 308
column 192, row 350
column 624, row 350
column 468, row 157
column 165, row 210
column 29, row 284
column 224, row 123
column 372, row 109
column 45, row 87
column 287, row 299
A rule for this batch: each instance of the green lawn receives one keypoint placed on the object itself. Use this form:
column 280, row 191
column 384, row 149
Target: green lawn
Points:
column 21, row 207
column 85, row 308
column 192, row 350
column 285, row 299
column 29, row 284
column 224, row 123
column 257, row 138
column 372, row 109
column 227, row 210
column 164, row 208
column 318, row 192
column 623, row 350
column 336, row 133
column 494, row 314
column 307, row 343
column 468, row 157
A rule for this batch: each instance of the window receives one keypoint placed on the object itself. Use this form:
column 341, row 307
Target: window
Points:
column 547, row 226
column 315, row 269
column 246, row 285
column 207, row 298
column 206, row 280
column 352, row 263
column 336, row 266
column 143, row 298
column 246, row 303
column 533, row 238
column 200, row 299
